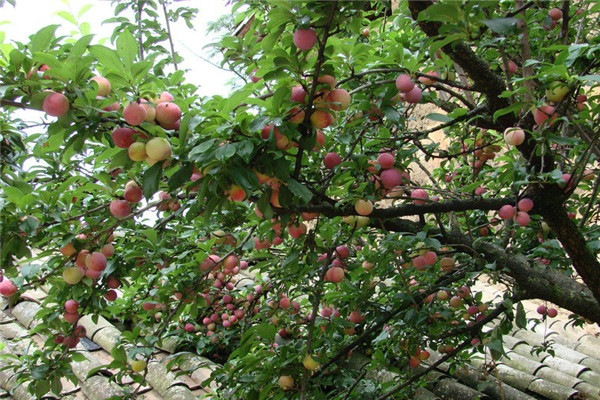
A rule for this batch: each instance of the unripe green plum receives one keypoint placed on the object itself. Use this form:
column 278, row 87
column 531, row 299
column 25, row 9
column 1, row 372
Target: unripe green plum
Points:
column 557, row 91
column 137, row 151
column 72, row 275
column 158, row 148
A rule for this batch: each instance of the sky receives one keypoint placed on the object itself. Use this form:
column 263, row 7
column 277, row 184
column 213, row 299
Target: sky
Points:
column 20, row 22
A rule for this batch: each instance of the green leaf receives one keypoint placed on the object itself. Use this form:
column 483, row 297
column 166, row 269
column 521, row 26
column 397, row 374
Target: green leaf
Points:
column 258, row 123
column 80, row 47
column 30, row 270
column 152, row 179
column 78, row 357
column 438, row 117
column 120, row 159
column 151, row 235
column 564, row 140
column 281, row 95
column 502, row 26
column 513, row 108
column 67, row 16
column 43, row 38
column 127, row 47
column 299, row 190
column 181, row 176
column 225, row 152
column 266, row 331
column 244, row 177
column 521, row 318
column 118, row 353
column 108, row 58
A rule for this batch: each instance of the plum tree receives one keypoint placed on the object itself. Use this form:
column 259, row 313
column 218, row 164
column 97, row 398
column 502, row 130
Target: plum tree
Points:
column 347, row 203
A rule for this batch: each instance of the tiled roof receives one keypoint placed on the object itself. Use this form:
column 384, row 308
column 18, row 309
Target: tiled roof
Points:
column 100, row 339
column 542, row 362
column 547, row 361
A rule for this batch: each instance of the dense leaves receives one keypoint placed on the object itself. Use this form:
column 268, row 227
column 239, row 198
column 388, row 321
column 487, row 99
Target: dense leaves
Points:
column 324, row 222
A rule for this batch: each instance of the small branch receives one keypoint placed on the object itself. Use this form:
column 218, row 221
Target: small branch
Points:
column 169, row 33
column 140, row 30
column 413, row 378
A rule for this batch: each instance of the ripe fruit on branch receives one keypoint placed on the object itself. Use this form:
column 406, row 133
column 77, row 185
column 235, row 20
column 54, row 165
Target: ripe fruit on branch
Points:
column 210, row 262
column 68, row 250
column 555, row 14
column 543, row 113
column 103, row 85
column 419, row 194
column 298, row 115
column 7, row 288
column 522, row 218
column 447, row 264
column 55, row 104
column 253, row 77
column 71, row 317
column 356, row 317
column 80, row 260
column 334, row 274
column 150, row 110
column 296, row 230
column 120, row 208
column 158, row 148
column 512, row 67
column 305, row 39
column 71, row 306
column 514, row 136
column 133, row 193
column 390, row 178
column 525, row 204
column 298, row 94
column 95, row 261
column 541, row 310
column 123, row 137
column 404, row 83
column 342, row 251
column 167, row 114
column 165, row 97
column 321, row 119
column 134, row 114
column 426, row 80
column 386, row 160
column 340, row 96
column 363, row 207
column 506, row 212
column 414, row 96
column 331, row 160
